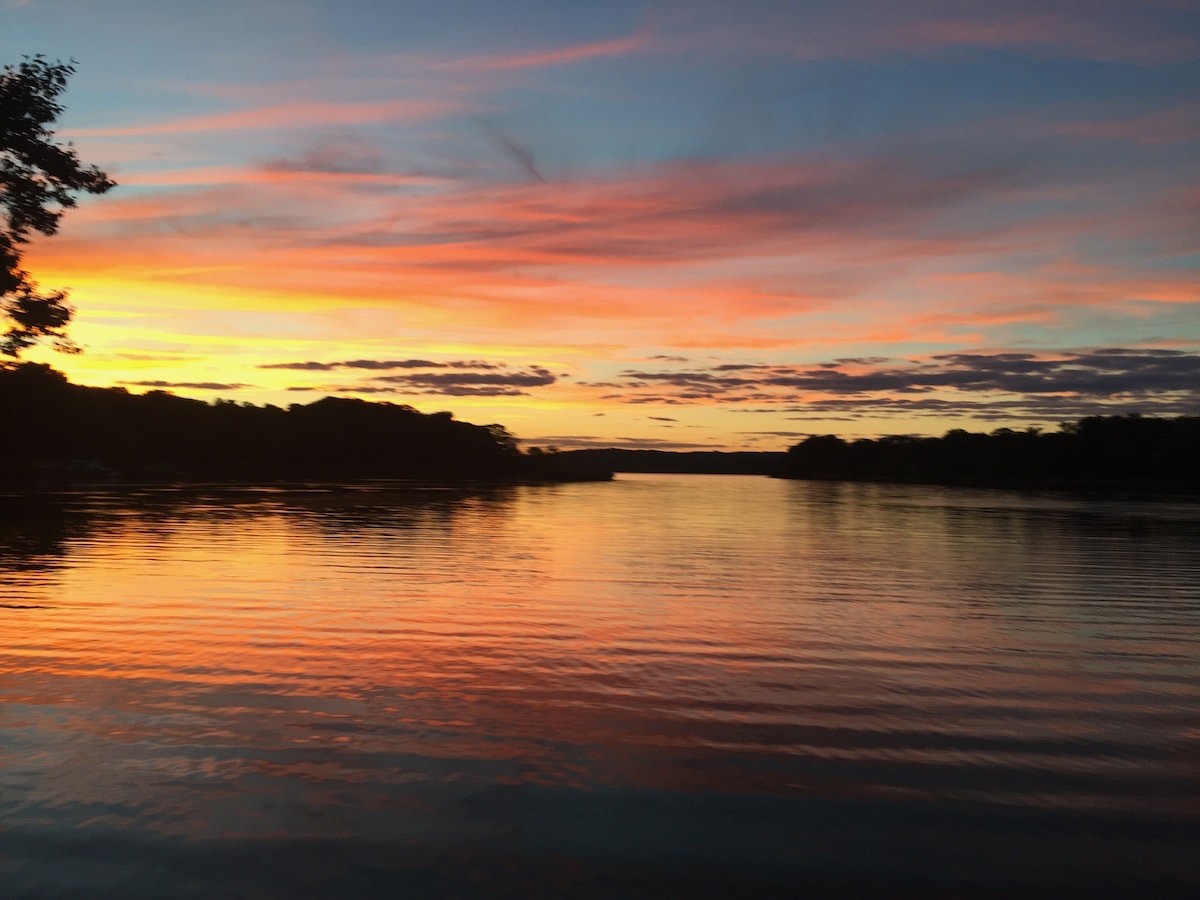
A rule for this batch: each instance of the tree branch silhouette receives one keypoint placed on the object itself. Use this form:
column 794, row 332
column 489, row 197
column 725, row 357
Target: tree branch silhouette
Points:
column 39, row 178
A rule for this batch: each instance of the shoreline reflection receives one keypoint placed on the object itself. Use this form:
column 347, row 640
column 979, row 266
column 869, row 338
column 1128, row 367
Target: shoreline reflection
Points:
column 669, row 685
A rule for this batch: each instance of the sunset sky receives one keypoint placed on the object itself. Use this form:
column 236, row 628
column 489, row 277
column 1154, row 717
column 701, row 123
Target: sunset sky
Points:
column 641, row 224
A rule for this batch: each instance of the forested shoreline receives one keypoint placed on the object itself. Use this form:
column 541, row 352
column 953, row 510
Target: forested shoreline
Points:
column 58, row 433
column 62, row 434
column 1128, row 452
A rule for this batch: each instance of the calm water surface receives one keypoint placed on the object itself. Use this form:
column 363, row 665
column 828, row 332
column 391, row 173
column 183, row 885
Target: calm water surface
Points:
column 663, row 685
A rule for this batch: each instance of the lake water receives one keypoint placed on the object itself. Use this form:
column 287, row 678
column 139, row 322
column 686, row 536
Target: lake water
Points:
column 658, row 686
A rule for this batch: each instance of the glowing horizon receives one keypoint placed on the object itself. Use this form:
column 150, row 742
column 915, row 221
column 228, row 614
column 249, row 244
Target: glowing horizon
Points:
column 652, row 224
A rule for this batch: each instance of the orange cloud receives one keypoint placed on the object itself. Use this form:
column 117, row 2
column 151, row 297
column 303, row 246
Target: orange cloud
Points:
column 770, row 254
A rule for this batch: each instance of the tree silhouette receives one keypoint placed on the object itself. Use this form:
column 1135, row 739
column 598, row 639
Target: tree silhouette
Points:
column 72, row 434
column 38, row 180
column 1127, row 452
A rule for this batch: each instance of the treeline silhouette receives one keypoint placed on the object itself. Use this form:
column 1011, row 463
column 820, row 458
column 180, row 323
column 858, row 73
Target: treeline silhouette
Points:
column 1124, row 452
column 708, row 462
column 62, row 433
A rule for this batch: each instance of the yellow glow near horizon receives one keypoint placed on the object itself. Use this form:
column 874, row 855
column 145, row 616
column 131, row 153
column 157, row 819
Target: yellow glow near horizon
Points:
column 585, row 233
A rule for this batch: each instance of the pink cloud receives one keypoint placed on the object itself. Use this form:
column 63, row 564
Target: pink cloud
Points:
column 955, row 32
column 1101, row 31
column 287, row 115
column 742, row 252
column 218, row 175
column 562, row 56
column 1164, row 126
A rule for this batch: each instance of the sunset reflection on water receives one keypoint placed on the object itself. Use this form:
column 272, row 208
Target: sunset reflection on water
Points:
column 679, row 684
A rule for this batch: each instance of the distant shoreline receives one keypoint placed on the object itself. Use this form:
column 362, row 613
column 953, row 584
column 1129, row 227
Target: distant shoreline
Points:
column 66, row 435
column 1099, row 454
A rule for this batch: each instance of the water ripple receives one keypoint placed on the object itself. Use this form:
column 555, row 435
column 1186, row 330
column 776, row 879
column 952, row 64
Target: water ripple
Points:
column 680, row 686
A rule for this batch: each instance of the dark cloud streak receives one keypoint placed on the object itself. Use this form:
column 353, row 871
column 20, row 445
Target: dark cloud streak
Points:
column 1001, row 386
column 190, row 385
column 1098, row 373
column 536, row 376
column 384, row 365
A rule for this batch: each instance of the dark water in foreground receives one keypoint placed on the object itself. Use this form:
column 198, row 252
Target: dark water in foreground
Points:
column 664, row 685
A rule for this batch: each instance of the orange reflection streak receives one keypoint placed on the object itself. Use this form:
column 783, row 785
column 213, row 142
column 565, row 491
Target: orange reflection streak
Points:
column 382, row 666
